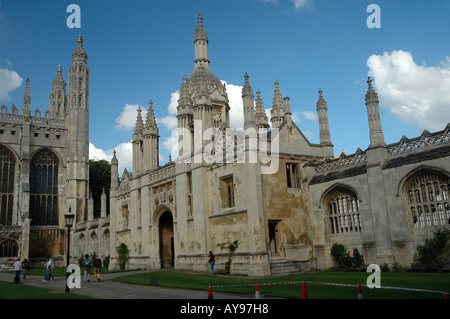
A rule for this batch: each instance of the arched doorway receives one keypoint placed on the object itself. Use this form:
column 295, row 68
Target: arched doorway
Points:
column 166, row 242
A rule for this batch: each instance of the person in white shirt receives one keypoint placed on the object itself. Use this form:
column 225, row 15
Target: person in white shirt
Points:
column 17, row 265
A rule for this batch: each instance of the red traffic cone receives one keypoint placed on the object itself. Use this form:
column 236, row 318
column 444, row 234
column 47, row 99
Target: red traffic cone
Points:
column 257, row 293
column 360, row 293
column 304, row 292
column 210, row 295
column 445, row 294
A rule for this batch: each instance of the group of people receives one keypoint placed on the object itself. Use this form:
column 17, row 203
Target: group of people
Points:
column 49, row 264
column 87, row 263
column 23, row 266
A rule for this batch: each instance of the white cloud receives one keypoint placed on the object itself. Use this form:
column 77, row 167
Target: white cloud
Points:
column 236, row 107
column 413, row 93
column 127, row 118
column 300, row 4
column 123, row 154
column 9, row 81
column 170, row 121
column 312, row 116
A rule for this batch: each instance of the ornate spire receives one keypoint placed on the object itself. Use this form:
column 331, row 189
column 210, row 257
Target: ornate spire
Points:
column 321, row 103
column 261, row 119
column 200, row 33
column 322, row 113
column 58, row 95
column 26, row 99
column 277, row 99
column 79, row 53
column 139, row 123
column 247, row 89
column 373, row 114
column 277, row 112
column 371, row 95
column 114, row 160
column 150, row 122
column 248, row 104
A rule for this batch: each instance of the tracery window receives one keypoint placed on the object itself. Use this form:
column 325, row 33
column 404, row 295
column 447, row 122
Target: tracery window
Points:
column 44, row 188
column 343, row 211
column 7, row 171
column 427, row 195
column 8, row 248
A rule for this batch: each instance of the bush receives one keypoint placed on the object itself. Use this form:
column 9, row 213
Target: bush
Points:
column 434, row 254
column 341, row 256
column 344, row 261
column 384, row 267
column 122, row 255
column 357, row 260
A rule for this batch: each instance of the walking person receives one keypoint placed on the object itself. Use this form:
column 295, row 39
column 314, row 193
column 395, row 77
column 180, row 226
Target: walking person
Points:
column 25, row 268
column 97, row 268
column 51, row 266
column 212, row 262
column 47, row 275
column 17, row 267
column 87, row 268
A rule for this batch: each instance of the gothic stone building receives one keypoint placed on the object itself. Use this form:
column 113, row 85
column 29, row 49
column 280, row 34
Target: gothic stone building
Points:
column 284, row 199
column 383, row 201
column 44, row 162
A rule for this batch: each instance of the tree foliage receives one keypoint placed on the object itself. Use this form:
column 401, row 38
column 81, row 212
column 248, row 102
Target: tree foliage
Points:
column 434, row 253
column 99, row 179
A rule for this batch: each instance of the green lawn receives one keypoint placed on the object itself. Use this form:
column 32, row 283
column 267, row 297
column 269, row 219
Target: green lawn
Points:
column 427, row 281
column 9, row 290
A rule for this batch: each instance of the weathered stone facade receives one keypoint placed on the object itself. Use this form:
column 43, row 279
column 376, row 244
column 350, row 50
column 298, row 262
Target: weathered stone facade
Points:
column 284, row 199
column 45, row 161
column 172, row 216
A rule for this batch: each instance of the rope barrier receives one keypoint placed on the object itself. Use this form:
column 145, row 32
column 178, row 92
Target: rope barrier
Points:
column 324, row 283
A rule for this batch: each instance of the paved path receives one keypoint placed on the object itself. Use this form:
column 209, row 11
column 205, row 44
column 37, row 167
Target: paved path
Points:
column 108, row 289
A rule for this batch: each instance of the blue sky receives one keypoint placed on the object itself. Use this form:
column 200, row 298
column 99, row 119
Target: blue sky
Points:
column 140, row 50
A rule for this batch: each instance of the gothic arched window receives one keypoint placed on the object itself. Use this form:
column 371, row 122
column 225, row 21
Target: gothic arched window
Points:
column 44, row 188
column 8, row 248
column 7, row 171
column 343, row 211
column 427, row 194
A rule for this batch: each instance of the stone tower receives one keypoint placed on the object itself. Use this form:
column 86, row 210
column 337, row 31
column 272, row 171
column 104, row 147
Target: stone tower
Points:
column 248, row 105
column 77, row 122
column 373, row 114
column 262, row 121
column 150, row 139
column 277, row 112
column 57, row 100
column 324, row 129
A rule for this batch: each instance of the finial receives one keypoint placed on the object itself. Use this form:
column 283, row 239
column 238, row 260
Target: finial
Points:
column 320, row 92
column 200, row 19
column 80, row 40
column 369, row 82
column 59, row 69
column 246, row 77
column 150, row 104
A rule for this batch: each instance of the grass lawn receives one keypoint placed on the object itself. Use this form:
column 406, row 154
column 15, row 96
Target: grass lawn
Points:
column 427, row 281
column 9, row 290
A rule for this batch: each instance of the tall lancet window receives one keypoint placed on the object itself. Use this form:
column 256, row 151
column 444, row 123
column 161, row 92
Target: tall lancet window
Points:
column 343, row 211
column 427, row 194
column 7, row 170
column 44, row 188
